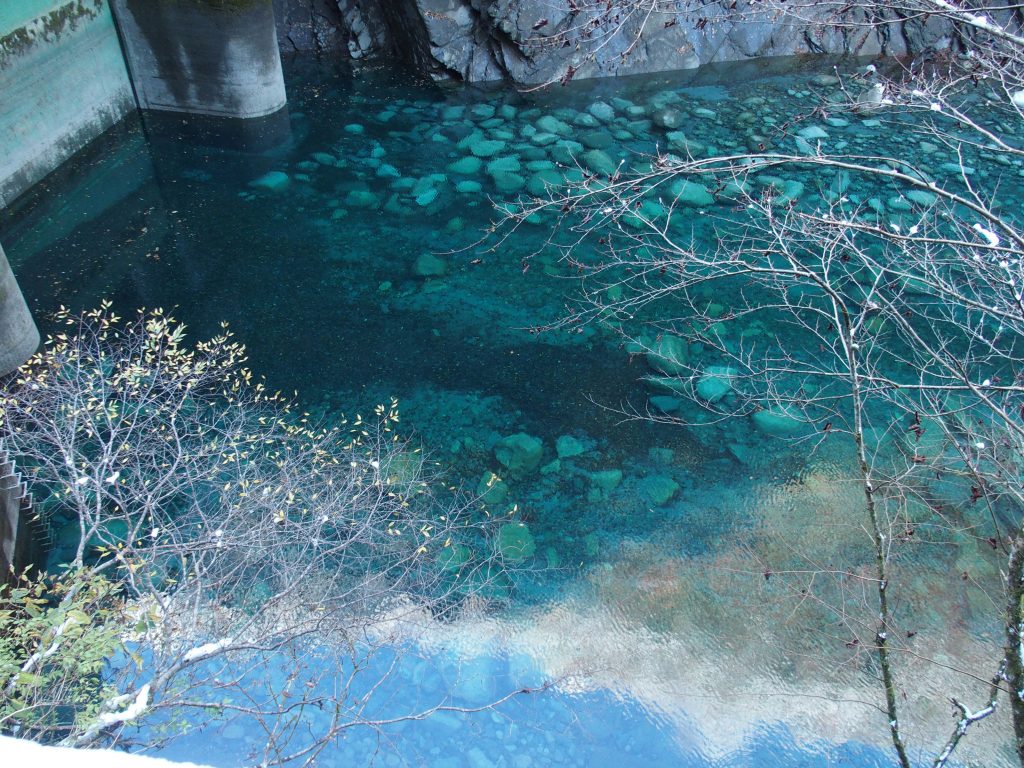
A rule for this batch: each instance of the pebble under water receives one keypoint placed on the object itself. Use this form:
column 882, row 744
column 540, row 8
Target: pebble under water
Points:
column 349, row 261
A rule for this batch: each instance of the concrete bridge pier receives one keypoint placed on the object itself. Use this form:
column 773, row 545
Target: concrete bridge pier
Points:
column 19, row 337
column 203, row 57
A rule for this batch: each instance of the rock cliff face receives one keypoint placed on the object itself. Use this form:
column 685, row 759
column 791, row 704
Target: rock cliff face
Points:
column 535, row 41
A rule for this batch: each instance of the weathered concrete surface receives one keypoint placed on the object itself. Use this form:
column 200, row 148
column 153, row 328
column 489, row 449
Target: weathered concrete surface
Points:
column 206, row 57
column 19, row 337
column 62, row 83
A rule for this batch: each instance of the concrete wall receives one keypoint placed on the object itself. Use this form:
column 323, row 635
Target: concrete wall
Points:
column 19, row 337
column 62, row 83
column 206, row 57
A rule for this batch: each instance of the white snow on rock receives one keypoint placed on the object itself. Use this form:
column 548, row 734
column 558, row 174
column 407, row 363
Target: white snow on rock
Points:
column 22, row 752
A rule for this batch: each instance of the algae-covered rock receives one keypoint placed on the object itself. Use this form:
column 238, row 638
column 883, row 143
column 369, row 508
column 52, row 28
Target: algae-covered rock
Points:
column 599, row 162
column 515, row 542
column 542, row 182
column 427, row 197
column 519, row 453
column 658, row 489
column 274, row 181
column 487, row 147
column 668, row 354
column 551, row 124
column 665, row 403
column 504, row 164
column 508, row 182
column 566, row 151
column 691, row 193
column 602, row 111
column 429, row 265
column 667, row 117
column 568, row 446
column 454, row 557
column 715, row 383
column 466, row 166
column 606, row 479
column 596, row 140
column 492, row 489
column 777, row 422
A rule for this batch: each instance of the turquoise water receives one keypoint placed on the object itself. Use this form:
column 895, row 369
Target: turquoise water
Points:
column 348, row 258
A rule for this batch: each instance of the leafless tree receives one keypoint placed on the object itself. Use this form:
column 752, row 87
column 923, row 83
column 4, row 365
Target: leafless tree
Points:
column 902, row 331
column 224, row 538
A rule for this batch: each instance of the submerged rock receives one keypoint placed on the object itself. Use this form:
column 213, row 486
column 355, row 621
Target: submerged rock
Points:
column 519, row 453
column 607, row 479
column 568, row 446
column 551, row 124
column 691, row 193
column 361, row 198
column 777, row 422
column 667, row 117
column 492, row 489
column 274, row 181
column 600, row 162
column 669, row 354
column 515, row 542
column 487, row 147
column 466, row 165
column 429, row 265
column 658, row 489
column 716, row 383
column 566, row 151
column 602, row 111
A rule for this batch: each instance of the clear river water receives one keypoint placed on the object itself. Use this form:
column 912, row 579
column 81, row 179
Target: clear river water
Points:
column 347, row 257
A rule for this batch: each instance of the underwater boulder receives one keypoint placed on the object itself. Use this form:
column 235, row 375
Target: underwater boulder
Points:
column 492, row 489
column 508, row 182
column 551, row 124
column 691, row 193
column 361, row 198
column 487, row 147
column 600, row 162
column 565, row 151
column 543, row 181
column 812, row 133
column 668, row 354
column 602, row 111
column 667, row 117
column 585, row 120
column 504, row 164
column 606, row 479
column 715, row 383
column 778, row 422
column 597, row 140
column 658, row 489
column 274, row 181
column 515, row 542
column 466, row 166
column 429, row 265
column 519, row 453
column 568, row 446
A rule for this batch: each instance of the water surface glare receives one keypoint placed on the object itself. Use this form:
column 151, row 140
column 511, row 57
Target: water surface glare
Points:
column 347, row 260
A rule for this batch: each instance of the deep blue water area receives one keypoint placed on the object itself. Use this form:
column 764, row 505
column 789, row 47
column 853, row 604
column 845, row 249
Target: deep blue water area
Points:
column 346, row 248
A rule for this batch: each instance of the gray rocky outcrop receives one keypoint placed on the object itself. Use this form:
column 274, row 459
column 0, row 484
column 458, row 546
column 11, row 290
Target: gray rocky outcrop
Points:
column 536, row 41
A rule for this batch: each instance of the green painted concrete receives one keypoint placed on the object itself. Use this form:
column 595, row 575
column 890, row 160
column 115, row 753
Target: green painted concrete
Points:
column 60, row 87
